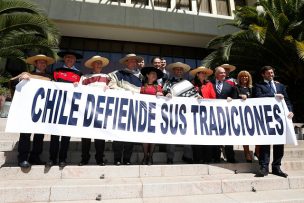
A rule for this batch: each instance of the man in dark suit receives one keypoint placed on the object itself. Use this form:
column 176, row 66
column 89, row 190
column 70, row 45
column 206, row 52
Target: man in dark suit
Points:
column 269, row 88
column 223, row 91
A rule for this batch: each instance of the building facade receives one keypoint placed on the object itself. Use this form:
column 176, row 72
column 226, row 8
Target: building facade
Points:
column 175, row 29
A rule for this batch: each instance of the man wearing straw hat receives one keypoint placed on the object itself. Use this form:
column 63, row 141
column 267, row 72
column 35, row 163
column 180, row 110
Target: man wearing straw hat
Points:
column 25, row 157
column 126, row 79
column 228, row 69
column 68, row 74
column 185, row 89
column 99, row 80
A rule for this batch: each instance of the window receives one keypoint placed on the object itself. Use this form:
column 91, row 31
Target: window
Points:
column 183, row 4
column 240, row 3
column 121, row 1
column 204, row 6
column 140, row 2
column 115, row 50
column 162, row 3
column 222, row 7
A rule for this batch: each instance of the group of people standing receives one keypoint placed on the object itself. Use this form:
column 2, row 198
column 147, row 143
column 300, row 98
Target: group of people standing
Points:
column 158, row 79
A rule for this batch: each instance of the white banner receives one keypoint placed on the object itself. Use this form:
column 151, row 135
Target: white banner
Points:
column 83, row 111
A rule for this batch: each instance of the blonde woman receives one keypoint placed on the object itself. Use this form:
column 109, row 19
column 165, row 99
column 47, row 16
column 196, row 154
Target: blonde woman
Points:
column 244, row 91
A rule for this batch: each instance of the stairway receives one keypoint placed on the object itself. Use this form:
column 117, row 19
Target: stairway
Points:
column 180, row 182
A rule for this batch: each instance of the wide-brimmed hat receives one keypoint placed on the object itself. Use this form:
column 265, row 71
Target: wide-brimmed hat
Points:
column 130, row 56
column 228, row 66
column 146, row 70
column 171, row 66
column 31, row 60
column 90, row 61
column 70, row 52
column 207, row 71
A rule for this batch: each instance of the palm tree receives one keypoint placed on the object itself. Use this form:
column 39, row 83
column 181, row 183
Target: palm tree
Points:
column 23, row 28
column 271, row 33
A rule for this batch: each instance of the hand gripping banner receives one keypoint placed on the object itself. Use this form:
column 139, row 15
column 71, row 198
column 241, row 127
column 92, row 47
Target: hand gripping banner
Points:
column 83, row 111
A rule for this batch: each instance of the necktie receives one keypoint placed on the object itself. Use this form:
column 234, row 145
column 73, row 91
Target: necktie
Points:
column 271, row 87
column 218, row 87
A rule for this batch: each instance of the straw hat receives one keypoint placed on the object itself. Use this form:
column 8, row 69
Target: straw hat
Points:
column 70, row 52
column 171, row 66
column 31, row 60
column 146, row 70
column 227, row 66
column 207, row 71
column 90, row 61
column 130, row 56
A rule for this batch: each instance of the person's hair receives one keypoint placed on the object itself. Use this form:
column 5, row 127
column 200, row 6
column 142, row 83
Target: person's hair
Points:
column 196, row 81
column 155, row 57
column 162, row 58
column 266, row 68
column 145, row 80
column 245, row 73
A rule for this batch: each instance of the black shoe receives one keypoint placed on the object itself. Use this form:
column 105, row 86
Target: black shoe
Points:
column 262, row 172
column 100, row 163
column 144, row 161
column 82, row 163
column 169, row 161
column 187, row 160
column 24, row 164
column 50, row 164
column 231, row 160
column 117, row 163
column 62, row 164
column 37, row 162
column 127, row 163
column 150, row 160
column 279, row 172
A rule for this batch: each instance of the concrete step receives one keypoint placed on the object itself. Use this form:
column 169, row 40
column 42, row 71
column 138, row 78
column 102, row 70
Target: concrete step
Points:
column 275, row 196
column 148, row 187
column 133, row 171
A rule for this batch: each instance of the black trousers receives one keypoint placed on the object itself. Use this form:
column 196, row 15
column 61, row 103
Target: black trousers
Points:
column 202, row 153
column 86, row 146
column 216, row 153
column 229, row 153
column 62, row 148
column 122, row 150
column 278, row 153
column 24, row 147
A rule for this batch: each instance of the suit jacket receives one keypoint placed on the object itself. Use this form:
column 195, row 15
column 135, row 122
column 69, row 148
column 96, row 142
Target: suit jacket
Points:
column 262, row 90
column 227, row 90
